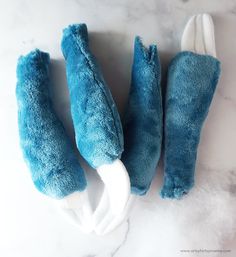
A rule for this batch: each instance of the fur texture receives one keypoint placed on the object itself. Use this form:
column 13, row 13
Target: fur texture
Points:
column 98, row 129
column 192, row 79
column 143, row 121
column 46, row 147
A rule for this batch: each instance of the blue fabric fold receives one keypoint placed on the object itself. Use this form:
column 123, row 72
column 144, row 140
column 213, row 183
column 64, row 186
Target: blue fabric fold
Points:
column 192, row 79
column 47, row 149
column 143, row 119
column 97, row 124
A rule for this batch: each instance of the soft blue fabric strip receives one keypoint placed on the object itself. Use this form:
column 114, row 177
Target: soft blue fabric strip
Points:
column 98, row 129
column 192, row 79
column 143, row 120
column 46, row 147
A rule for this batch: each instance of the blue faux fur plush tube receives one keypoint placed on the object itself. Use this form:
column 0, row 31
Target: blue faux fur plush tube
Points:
column 49, row 154
column 143, row 120
column 98, row 129
column 192, row 79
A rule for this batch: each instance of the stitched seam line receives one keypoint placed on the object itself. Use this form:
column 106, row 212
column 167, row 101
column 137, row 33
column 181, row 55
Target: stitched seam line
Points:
column 97, row 82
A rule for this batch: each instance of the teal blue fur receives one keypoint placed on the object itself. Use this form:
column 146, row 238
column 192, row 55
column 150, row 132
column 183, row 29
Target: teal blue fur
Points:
column 47, row 149
column 98, row 129
column 143, row 120
column 192, row 80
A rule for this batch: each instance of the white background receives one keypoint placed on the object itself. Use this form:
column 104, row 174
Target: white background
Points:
column 30, row 225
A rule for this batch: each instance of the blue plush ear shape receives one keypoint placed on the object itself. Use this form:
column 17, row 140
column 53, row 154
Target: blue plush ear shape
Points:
column 143, row 120
column 98, row 129
column 192, row 79
column 46, row 147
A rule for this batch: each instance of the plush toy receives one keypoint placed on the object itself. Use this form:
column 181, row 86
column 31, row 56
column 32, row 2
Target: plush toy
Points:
column 192, row 79
column 126, row 163
column 98, row 129
column 47, row 149
column 142, row 131
column 54, row 167
column 193, row 75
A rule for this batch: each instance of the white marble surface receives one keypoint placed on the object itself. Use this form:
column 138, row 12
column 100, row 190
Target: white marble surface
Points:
column 30, row 225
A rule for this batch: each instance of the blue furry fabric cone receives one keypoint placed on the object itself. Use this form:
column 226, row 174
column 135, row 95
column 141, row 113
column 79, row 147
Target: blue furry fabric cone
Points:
column 143, row 120
column 46, row 147
column 192, row 79
column 98, row 129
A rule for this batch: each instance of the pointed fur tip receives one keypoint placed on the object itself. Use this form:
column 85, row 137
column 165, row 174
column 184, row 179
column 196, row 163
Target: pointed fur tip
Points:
column 148, row 53
column 35, row 56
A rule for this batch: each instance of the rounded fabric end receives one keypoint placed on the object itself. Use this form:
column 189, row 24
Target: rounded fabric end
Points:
column 199, row 36
column 33, row 63
column 34, row 57
column 139, row 191
column 176, row 186
column 76, row 29
column 73, row 35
